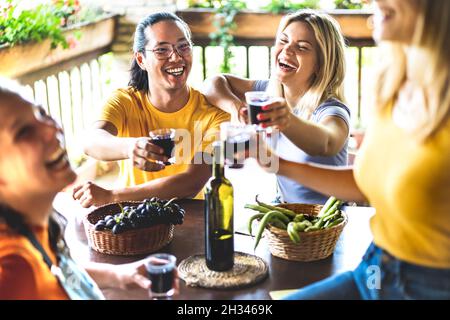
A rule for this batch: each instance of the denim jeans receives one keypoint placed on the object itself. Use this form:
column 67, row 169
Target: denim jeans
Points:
column 380, row 276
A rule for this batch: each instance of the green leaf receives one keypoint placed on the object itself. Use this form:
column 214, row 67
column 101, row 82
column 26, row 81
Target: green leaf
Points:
column 348, row 4
column 42, row 22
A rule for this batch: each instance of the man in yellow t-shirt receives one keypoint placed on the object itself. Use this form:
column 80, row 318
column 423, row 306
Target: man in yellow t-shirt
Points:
column 158, row 97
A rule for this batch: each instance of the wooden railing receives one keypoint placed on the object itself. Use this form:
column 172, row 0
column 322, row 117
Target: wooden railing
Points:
column 72, row 92
column 69, row 83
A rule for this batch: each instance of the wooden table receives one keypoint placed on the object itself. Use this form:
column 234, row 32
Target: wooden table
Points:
column 189, row 240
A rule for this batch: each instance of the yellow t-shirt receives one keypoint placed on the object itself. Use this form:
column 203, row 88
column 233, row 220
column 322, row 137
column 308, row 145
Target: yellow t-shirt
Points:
column 131, row 112
column 408, row 182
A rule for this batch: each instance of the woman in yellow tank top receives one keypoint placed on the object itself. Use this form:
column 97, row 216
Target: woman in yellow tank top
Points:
column 34, row 259
column 403, row 167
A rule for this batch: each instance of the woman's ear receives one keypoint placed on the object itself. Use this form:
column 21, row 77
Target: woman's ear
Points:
column 140, row 59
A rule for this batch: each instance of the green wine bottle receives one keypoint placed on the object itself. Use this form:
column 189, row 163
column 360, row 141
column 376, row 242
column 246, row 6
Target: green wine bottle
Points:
column 219, row 241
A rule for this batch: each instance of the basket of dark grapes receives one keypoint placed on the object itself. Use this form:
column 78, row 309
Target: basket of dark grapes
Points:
column 133, row 227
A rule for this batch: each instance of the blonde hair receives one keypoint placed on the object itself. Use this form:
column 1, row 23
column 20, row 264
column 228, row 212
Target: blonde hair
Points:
column 329, row 80
column 428, row 65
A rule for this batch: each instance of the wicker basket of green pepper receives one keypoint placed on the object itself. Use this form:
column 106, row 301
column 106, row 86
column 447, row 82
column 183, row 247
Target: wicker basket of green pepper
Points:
column 299, row 232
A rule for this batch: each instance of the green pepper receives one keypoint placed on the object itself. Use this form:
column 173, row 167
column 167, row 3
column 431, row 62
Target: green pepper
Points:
column 277, row 223
column 264, row 221
column 250, row 221
column 319, row 223
column 331, row 200
column 299, row 217
column 301, row 226
column 331, row 213
column 257, row 208
column 335, row 222
column 312, row 228
column 292, row 232
column 287, row 212
column 282, row 217
column 307, row 223
column 335, row 206
column 332, row 216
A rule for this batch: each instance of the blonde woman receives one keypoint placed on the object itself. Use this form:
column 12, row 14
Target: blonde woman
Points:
column 403, row 165
column 309, row 68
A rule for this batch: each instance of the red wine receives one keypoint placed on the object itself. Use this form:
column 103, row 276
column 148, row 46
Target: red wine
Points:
column 161, row 278
column 220, row 250
column 167, row 144
column 237, row 144
column 254, row 109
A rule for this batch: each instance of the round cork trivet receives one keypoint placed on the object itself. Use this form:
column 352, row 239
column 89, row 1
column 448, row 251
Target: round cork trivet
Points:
column 247, row 270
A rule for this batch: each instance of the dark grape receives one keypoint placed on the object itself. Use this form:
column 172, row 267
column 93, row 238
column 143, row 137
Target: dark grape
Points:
column 110, row 223
column 160, row 211
column 119, row 228
column 116, row 229
column 167, row 211
column 100, row 225
column 125, row 225
column 148, row 213
column 132, row 214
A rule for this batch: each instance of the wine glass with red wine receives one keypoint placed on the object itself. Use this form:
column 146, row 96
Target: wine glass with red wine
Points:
column 237, row 143
column 256, row 100
column 164, row 138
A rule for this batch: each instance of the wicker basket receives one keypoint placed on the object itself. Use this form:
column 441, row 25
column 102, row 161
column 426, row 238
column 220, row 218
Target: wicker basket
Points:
column 314, row 245
column 131, row 242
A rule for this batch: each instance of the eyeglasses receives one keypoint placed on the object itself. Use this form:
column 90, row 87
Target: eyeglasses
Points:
column 165, row 51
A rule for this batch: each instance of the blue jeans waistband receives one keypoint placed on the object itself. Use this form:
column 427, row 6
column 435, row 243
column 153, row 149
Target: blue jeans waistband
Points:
column 385, row 258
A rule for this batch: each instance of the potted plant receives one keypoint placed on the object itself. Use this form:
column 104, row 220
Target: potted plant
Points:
column 33, row 39
column 263, row 25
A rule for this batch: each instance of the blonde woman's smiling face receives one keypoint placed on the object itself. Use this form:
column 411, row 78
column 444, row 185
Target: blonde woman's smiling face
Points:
column 296, row 55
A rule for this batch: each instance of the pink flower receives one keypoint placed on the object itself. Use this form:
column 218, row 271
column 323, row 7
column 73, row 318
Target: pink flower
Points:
column 72, row 42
